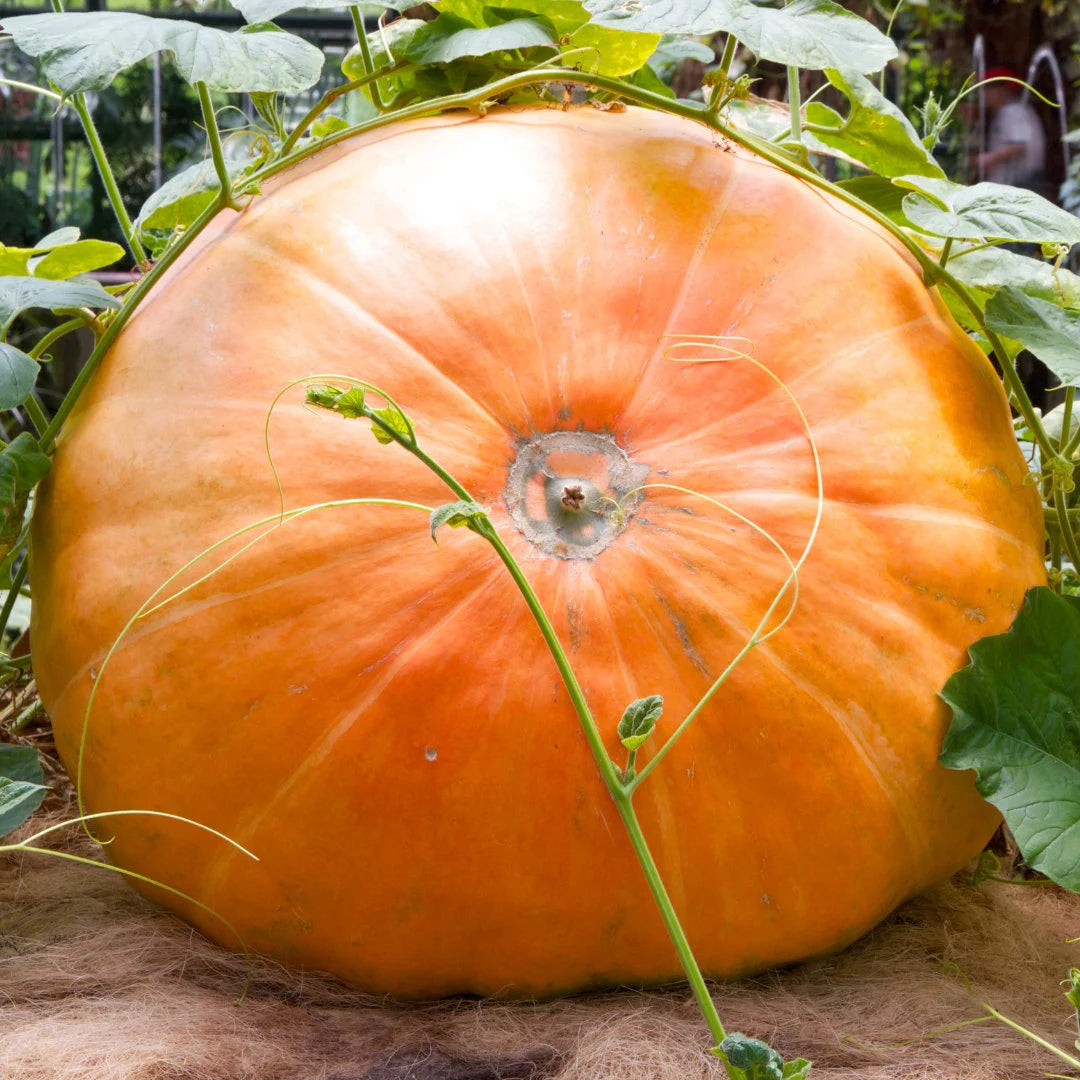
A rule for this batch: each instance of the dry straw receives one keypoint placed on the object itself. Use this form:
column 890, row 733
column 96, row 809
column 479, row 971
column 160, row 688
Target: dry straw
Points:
column 97, row 984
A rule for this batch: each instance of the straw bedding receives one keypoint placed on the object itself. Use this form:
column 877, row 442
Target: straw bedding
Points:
column 97, row 984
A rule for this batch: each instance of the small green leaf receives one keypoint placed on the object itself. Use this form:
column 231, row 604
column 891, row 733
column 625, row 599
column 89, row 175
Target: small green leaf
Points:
column 66, row 234
column 327, row 125
column 638, row 720
column 58, row 256
column 82, row 51
column 986, row 212
column 22, row 785
column 349, row 403
column 75, row 258
column 394, row 419
column 1049, row 331
column 18, row 373
column 456, row 515
column 1016, row 722
column 988, row 866
column 18, row 294
column 875, row 132
column 22, row 466
column 814, row 34
column 759, row 1061
column 449, row 37
column 673, row 50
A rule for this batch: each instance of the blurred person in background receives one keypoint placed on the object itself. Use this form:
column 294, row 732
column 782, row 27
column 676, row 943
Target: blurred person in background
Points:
column 1015, row 142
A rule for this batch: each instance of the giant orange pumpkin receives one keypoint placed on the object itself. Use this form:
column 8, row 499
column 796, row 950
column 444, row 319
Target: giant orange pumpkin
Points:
column 376, row 716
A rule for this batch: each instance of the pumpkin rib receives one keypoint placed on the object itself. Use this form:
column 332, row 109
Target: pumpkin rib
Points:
column 708, row 232
column 248, row 832
column 328, row 286
column 899, row 801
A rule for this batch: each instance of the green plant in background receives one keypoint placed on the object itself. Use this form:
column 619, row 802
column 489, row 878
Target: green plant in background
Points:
column 1025, row 747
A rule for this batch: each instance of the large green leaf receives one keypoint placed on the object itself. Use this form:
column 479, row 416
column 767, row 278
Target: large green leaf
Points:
column 875, row 132
column 1016, row 722
column 267, row 10
column 986, row 212
column 992, row 268
column 87, row 50
column 449, row 37
column 19, row 294
column 18, row 373
column 612, row 52
column 674, row 49
column 181, row 199
column 881, row 194
column 1050, row 332
column 813, row 34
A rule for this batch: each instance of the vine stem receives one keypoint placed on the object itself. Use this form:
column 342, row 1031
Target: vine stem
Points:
column 728, row 55
column 36, row 413
column 621, row 793
column 365, row 56
column 108, row 179
column 795, row 104
column 213, row 133
column 55, row 334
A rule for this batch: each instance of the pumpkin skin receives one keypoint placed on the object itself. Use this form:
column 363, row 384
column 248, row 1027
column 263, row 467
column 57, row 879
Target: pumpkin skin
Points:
column 376, row 716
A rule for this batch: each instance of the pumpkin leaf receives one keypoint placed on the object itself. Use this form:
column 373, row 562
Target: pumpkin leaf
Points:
column 394, row 419
column 182, row 198
column 18, row 373
column 639, row 719
column 22, row 785
column 70, row 259
column 673, row 50
column 22, row 465
column 267, row 10
column 986, row 211
column 456, row 515
column 59, row 255
column 81, row 51
column 20, row 762
column 449, row 37
column 993, row 268
column 880, row 193
column 349, row 403
column 1016, row 722
column 875, row 132
column 1049, row 331
column 18, row 294
column 813, row 34
column 617, row 52
column 757, row 1060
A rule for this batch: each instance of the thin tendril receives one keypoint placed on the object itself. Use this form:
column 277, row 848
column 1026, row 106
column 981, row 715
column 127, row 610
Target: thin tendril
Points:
column 337, row 377
column 274, row 521
column 728, row 353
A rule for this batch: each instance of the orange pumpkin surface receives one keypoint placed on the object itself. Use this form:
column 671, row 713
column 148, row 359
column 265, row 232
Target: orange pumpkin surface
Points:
column 377, row 718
